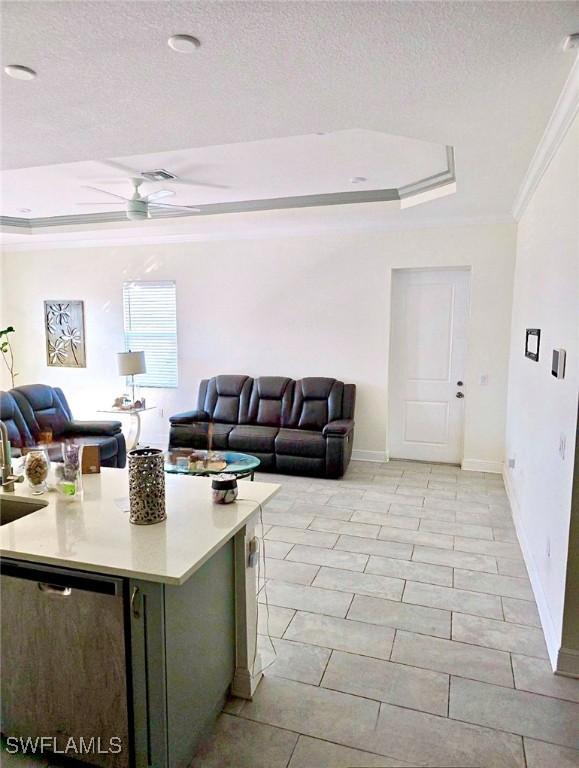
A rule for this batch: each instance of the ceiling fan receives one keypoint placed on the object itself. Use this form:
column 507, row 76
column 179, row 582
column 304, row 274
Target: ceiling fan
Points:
column 138, row 207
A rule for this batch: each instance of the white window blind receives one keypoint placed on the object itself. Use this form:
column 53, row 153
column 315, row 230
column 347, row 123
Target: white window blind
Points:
column 150, row 314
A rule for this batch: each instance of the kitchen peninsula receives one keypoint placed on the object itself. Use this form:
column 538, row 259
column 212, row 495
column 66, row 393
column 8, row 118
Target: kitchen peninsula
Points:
column 119, row 631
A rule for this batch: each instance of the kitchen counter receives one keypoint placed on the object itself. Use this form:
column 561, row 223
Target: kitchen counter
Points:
column 93, row 533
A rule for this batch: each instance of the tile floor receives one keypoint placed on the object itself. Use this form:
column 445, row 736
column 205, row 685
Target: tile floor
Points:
column 403, row 632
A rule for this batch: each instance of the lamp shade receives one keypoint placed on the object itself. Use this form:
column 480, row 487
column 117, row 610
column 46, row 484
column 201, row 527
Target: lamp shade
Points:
column 131, row 363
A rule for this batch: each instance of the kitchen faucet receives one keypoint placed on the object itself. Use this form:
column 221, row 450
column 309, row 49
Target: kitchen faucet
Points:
column 7, row 479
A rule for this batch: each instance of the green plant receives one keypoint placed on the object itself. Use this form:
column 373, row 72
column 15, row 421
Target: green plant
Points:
column 7, row 353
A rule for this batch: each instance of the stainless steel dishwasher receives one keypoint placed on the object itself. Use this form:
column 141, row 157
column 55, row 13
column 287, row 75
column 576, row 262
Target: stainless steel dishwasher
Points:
column 64, row 661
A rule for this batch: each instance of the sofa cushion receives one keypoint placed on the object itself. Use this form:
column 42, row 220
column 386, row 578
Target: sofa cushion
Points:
column 247, row 439
column 43, row 407
column 317, row 401
column 18, row 433
column 226, row 398
column 300, row 442
column 270, row 402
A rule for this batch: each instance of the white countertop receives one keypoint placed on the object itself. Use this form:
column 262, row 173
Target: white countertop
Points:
column 94, row 533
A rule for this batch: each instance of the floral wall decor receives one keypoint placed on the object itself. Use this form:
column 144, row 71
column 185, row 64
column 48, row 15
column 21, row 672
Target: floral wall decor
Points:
column 65, row 343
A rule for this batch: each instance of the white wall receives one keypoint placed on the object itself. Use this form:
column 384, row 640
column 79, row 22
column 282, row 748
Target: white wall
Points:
column 301, row 306
column 541, row 408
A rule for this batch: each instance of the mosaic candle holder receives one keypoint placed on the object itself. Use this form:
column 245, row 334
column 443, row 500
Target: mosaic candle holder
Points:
column 146, row 486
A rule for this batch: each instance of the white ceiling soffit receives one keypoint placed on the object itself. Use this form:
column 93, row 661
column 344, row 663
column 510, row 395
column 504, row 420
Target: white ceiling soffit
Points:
column 480, row 76
column 296, row 172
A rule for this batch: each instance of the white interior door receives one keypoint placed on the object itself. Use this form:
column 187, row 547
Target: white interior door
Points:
column 427, row 364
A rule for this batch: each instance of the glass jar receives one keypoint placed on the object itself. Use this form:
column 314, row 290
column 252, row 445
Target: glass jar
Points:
column 36, row 468
column 70, row 477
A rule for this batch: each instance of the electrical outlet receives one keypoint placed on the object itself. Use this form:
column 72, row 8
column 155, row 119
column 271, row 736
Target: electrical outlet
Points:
column 562, row 445
column 512, row 463
column 484, row 380
column 548, row 551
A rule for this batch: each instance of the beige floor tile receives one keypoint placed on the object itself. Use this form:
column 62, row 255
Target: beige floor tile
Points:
column 536, row 676
column 437, row 540
column 313, row 711
column 273, row 621
column 457, row 529
column 453, row 599
column 436, row 556
column 297, row 536
column 494, row 548
column 457, row 506
column 342, row 634
column 307, row 598
column 385, row 518
column 359, row 583
column 521, row 611
column 498, row 634
column 420, row 689
column 294, row 661
column 527, row 714
column 283, row 570
column 455, row 658
column 442, row 515
column 493, row 584
column 437, row 741
column 512, row 568
column 415, row 618
column 408, row 569
column 350, row 529
column 239, row 743
column 505, row 534
column 397, row 549
column 411, row 480
column 384, row 499
column 315, row 753
column 288, row 519
column 350, row 561
column 275, row 549
column 542, row 755
column 322, row 510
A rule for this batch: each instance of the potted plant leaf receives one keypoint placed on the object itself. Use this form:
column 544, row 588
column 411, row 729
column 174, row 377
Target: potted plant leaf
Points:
column 7, row 352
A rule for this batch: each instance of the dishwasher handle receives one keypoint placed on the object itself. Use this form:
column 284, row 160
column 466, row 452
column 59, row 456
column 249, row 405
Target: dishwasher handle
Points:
column 54, row 590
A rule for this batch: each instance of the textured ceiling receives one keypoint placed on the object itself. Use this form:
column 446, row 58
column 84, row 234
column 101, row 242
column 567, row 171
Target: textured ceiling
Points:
column 481, row 76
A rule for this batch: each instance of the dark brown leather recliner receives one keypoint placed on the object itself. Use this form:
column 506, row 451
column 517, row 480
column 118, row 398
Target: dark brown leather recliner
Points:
column 304, row 427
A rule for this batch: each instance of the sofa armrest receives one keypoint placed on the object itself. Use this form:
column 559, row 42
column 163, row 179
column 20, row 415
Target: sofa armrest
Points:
column 189, row 417
column 93, row 428
column 340, row 427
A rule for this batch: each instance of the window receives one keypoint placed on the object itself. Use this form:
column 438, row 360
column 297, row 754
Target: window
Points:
column 150, row 315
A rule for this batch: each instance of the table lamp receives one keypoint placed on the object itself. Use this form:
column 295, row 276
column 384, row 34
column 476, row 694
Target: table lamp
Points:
column 130, row 364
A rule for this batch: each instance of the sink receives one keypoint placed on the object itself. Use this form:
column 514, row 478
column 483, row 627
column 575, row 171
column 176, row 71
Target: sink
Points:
column 14, row 509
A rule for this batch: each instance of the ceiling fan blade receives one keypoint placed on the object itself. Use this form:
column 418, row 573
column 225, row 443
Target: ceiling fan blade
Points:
column 159, row 194
column 105, row 192
column 120, row 167
column 111, row 202
column 193, row 183
column 190, row 208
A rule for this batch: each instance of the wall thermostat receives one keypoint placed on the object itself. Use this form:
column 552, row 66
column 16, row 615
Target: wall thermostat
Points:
column 558, row 364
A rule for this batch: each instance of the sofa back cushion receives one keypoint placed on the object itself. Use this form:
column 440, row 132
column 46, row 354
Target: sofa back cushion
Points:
column 316, row 402
column 225, row 398
column 43, row 407
column 18, row 432
column 270, row 402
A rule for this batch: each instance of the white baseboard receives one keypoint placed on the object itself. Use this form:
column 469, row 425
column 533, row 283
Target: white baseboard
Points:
column 379, row 456
column 481, row 465
column 568, row 662
column 551, row 638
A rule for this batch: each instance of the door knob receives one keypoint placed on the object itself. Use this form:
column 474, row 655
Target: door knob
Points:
column 459, row 383
column 460, row 395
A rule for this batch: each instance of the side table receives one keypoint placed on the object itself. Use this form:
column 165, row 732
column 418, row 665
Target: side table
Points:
column 135, row 424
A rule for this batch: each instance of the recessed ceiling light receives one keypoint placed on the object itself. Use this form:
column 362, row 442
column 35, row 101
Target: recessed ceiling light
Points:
column 358, row 179
column 19, row 72
column 24, row 210
column 184, row 43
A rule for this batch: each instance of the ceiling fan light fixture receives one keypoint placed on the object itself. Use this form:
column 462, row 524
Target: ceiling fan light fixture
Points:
column 184, row 43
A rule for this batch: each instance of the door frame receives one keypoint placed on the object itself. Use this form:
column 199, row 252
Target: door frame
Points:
column 446, row 268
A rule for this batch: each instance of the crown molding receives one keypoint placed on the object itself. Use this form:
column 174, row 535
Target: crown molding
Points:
column 559, row 123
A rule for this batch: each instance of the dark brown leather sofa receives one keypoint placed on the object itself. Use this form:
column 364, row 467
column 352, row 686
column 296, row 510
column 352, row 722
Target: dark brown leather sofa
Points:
column 304, row 427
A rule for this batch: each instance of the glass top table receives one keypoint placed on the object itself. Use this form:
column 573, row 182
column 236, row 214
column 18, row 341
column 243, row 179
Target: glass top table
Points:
column 188, row 462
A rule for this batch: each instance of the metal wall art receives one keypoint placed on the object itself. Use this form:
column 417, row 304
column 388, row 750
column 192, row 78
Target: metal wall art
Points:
column 65, row 342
